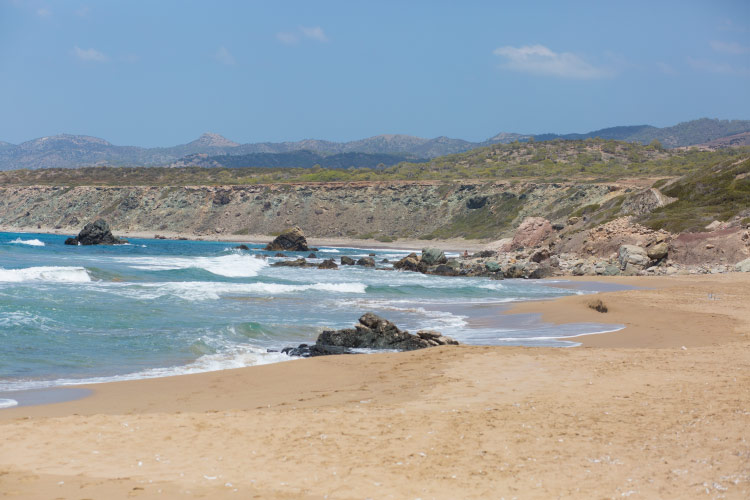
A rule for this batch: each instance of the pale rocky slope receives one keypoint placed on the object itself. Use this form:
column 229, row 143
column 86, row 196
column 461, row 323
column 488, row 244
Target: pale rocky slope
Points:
column 472, row 209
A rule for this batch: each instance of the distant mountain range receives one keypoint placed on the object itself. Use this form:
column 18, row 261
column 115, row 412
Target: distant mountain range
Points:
column 77, row 150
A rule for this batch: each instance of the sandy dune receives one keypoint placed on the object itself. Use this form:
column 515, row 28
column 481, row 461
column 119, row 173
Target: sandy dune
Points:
column 631, row 414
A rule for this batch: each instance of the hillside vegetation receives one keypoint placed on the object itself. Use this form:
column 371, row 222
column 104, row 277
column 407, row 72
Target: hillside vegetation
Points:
column 717, row 193
column 552, row 161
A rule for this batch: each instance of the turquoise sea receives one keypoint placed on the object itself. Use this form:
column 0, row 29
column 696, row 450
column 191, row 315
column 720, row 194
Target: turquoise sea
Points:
column 75, row 314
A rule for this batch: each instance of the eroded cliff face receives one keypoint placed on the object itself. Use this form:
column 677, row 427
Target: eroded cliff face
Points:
column 486, row 210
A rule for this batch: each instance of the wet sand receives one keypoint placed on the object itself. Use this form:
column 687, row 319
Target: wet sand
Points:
column 657, row 410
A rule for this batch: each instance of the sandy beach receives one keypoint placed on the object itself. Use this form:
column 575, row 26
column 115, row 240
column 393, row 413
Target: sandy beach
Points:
column 657, row 410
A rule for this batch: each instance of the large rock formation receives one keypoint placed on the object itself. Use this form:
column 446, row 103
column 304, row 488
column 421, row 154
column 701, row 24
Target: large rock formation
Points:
column 433, row 256
column 531, row 233
column 291, row 240
column 95, row 233
column 632, row 258
column 372, row 332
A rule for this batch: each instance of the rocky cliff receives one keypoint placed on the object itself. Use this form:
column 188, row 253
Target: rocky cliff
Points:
column 382, row 210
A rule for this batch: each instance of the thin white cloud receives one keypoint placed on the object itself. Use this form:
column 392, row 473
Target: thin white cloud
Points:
column 287, row 37
column 729, row 47
column 315, row 33
column 224, row 57
column 43, row 12
column 92, row 55
column 665, row 68
column 718, row 67
column 540, row 60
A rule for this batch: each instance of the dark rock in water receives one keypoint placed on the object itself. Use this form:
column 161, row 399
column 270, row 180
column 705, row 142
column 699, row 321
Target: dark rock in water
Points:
column 242, row 247
column 347, row 261
column 542, row 271
column 312, row 256
column 159, row 237
column 372, row 332
column 384, row 261
column 444, row 270
column 372, row 255
column 279, row 254
column 291, row 240
column 515, row 271
column 433, row 256
column 301, row 262
column 408, row 263
column 95, row 233
column 366, row 261
column 328, row 264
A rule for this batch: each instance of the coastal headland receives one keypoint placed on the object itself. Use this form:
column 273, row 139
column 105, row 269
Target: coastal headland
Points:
column 659, row 409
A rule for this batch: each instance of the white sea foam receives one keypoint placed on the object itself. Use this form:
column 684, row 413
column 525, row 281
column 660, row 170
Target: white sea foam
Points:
column 238, row 356
column 32, row 243
column 231, row 266
column 64, row 274
column 7, row 403
column 202, row 290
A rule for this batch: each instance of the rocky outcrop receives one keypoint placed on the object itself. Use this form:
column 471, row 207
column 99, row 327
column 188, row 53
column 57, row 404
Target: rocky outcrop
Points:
column 531, row 233
column 632, row 259
column 645, row 202
column 604, row 240
column 372, row 332
column 433, row 256
column 743, row 266
column 291, row 240
column 724, row 246
column 658, row 251
column 408, row 263
column 95, row 233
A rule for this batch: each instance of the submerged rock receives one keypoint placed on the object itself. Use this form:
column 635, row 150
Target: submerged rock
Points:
column 366, row 261
column 291, row 240
column 301, row 262
column 328, row 264
column 95, row 233
column 347, row 261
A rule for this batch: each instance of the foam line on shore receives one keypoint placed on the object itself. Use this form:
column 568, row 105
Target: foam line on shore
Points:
column 57, row 274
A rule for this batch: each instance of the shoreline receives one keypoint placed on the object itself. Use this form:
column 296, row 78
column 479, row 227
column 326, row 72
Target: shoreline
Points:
column 662, row 410
column 457, row 245
column 500, row 310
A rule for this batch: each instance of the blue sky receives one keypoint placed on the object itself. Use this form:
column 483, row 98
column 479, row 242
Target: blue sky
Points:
column 163, row 72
